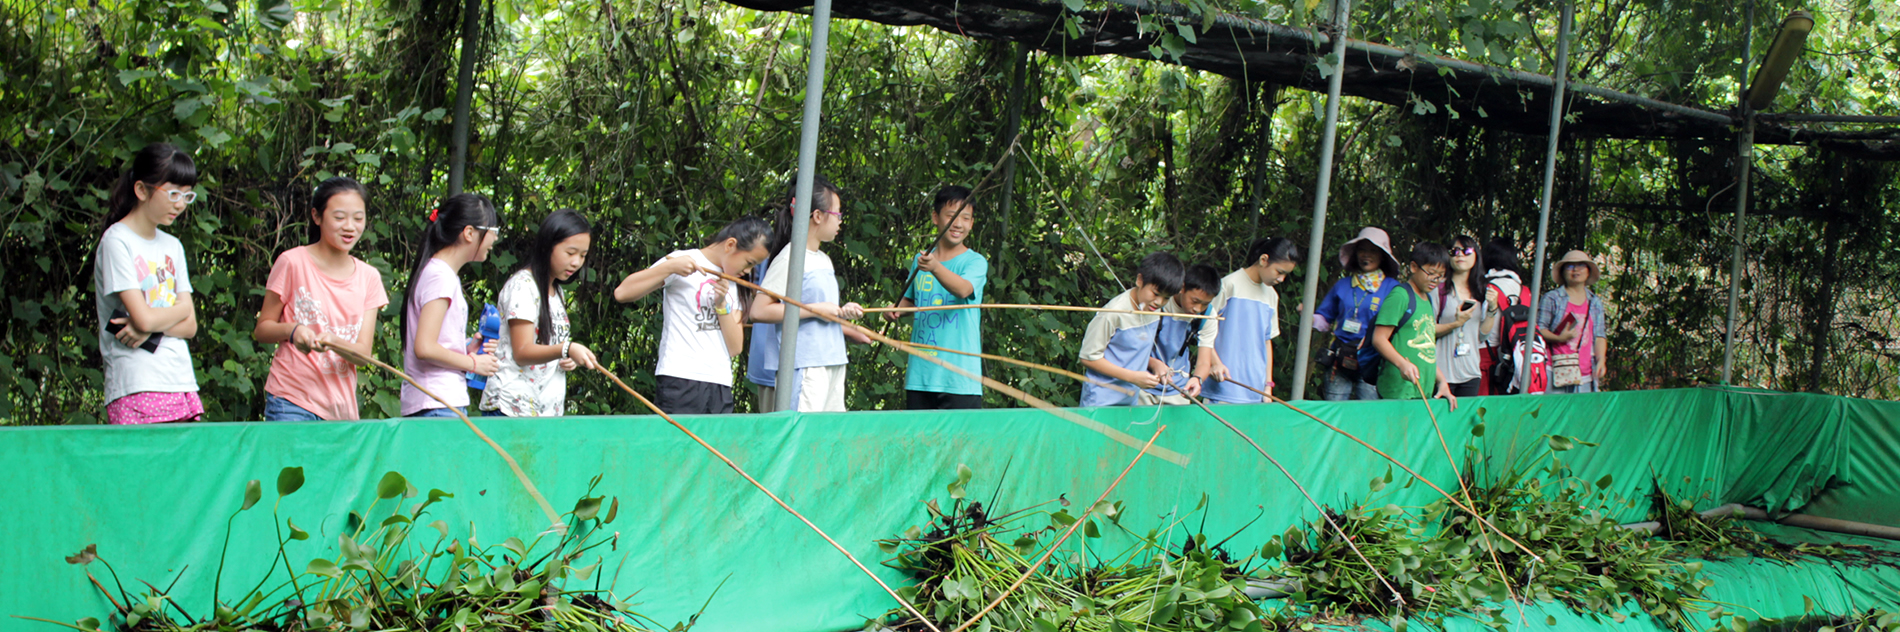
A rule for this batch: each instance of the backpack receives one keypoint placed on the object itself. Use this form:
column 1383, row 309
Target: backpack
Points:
column 1369, row 371
column 1514, row 319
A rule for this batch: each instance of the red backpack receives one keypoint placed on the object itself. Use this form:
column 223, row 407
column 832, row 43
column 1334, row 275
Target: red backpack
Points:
column 1514, row 324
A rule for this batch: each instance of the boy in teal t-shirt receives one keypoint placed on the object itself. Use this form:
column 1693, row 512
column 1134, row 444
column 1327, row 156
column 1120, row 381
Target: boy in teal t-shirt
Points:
column 1410, row 348
column 949, row 274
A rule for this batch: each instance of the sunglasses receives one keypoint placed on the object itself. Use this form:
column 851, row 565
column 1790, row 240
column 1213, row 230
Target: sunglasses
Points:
column 175, row 194
column 1460, row 252
column 496, row 229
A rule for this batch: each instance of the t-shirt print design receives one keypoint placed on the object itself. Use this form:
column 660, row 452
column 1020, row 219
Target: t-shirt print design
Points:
column 308, row 311
column 704, row 318
column 158, row 281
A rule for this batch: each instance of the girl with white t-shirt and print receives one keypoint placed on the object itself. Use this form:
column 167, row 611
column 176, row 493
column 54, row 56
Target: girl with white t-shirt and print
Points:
column 703, row 329
column 536, row 348
column 318, row 297
column 142, row 291
column 821, row 361
column 436, row 349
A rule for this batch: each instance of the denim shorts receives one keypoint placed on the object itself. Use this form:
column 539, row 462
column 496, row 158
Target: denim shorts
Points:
column 280, row 409
column 436, row 412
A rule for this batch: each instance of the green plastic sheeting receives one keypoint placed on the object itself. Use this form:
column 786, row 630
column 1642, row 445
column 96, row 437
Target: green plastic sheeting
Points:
column 154, row 499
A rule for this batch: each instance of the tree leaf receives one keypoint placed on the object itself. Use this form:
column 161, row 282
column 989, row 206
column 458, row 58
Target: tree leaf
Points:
column 1074, row 6
column 289, row 480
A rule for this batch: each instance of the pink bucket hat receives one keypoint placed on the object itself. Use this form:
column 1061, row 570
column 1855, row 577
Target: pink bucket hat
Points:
column 1377, row 238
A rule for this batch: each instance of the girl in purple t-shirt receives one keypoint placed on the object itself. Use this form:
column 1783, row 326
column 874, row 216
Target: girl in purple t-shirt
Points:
column 436, row 349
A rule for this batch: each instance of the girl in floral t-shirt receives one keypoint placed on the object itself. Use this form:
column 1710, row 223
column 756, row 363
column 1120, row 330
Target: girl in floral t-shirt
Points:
column 536, row 347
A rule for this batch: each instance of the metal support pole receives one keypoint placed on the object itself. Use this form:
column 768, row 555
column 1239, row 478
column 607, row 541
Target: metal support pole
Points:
column 464, row 94
column 1550, row 178
column 1745, row 162
column 1310, row 294
column 801, row 207
column 1005, row 200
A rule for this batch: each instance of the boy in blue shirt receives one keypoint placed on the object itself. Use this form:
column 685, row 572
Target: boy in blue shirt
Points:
column 1118, row 348
column 949, row 274
column 1237, row 351
column 1176, row 335
column 1348, row 311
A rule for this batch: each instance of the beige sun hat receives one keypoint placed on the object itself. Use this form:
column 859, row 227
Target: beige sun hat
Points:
column 1377, row 238
column 1575, row 256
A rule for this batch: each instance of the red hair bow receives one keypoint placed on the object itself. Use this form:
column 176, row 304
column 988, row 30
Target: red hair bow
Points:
column 433, row 212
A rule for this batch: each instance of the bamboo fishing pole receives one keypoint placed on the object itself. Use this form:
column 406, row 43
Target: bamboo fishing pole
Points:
column 1053, row 308
column 1466, row 491
column 1396, row 596
column 1036, row 402
column 1467, row 509
column 559, row 526
column 1025, row 363
column 1031, row 570
column 755, row 483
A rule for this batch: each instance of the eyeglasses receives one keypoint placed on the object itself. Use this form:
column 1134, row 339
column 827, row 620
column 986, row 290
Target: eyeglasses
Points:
column 175, row 194
column 834, row 214
column 1460, row 252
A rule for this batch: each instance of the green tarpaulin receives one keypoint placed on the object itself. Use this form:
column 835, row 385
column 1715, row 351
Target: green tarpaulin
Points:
column 154, row 499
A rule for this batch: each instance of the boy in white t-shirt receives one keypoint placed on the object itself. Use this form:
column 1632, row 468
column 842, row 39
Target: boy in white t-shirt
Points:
column 702, row 331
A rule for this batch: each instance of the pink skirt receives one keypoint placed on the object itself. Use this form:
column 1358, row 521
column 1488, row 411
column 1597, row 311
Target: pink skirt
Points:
column 154, row 408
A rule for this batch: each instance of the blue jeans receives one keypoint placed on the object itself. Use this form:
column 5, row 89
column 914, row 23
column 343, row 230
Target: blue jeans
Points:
column 280, row 409
column 437, row 412
column 1341, row 386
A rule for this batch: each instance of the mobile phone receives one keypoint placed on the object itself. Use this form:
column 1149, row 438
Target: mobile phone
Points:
column 1469, row 304
column 151, row 343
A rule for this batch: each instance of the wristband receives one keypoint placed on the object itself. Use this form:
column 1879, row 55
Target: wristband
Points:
column 564, row 347
column 293, row 332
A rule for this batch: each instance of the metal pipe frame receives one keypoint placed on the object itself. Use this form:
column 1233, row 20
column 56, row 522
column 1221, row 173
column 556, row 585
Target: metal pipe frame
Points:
column 1310, row 294
column 1745, row 162
column 1550, row 181
column 787, row 378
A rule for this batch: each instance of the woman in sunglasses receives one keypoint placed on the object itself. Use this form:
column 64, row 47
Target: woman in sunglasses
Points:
column 1459, row 306
column 142, row 290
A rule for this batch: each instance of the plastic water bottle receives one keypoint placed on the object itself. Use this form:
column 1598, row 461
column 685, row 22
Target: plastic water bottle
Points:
column 491, row 329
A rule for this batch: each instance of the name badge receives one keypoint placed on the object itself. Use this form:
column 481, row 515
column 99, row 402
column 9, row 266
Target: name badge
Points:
column 1351, row 326
column 1463, row 349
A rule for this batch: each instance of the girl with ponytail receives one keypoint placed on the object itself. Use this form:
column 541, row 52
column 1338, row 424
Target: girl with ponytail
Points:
column 821, row 361
column 319, row 297
column 703, row 322
column 436, row 349
column 142, row 291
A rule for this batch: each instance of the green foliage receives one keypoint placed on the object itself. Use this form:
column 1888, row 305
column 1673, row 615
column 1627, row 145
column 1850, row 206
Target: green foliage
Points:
column 383, row 578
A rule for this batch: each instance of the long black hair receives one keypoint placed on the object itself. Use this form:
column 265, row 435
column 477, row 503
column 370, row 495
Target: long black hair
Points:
column 1474, row 281
column 748, row 232
column 782, row 210
column 156, row 164
column 320, row 200
column 1500, row 254
column 559, row 226
column 460, row 211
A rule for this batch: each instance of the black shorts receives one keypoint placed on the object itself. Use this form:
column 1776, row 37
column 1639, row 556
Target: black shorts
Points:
column 926, row 400
column 681, row 396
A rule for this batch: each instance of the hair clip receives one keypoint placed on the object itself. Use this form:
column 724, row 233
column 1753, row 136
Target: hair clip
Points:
column 433, row 212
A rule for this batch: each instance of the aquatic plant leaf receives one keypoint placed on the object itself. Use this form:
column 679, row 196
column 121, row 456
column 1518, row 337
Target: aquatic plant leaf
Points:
column 1560, row 443
column 289, row 480
column 323, row 567
column 296, row 533
column 252, row 492
column 391, row 486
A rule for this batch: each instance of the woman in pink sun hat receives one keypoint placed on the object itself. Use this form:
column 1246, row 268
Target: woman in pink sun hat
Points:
column 1571, row 319
column 1352, row 366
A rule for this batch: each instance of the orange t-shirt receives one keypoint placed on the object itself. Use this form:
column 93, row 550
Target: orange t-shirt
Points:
column 321, row 382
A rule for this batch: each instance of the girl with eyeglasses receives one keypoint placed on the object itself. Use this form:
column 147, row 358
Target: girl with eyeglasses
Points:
column 320, row 297
column 1459, row 305
column 142, row 291
column 436, row 349
column 821, row 361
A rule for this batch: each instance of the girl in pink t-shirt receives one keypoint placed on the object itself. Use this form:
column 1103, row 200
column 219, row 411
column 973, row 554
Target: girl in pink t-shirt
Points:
column 319, row 298
column 436, row 349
